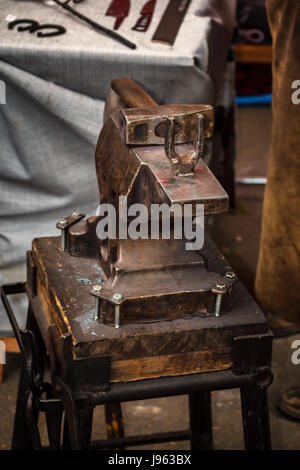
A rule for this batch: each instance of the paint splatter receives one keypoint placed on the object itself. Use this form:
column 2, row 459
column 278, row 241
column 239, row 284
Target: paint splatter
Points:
column 83, row 280
column 97, row 267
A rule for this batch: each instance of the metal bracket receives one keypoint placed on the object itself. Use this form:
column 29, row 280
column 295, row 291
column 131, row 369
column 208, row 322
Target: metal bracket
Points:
column 64, row 224
column 113, row 298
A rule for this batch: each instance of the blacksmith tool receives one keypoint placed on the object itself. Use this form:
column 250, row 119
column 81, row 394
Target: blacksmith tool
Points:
column 171, row 21
column 119, row 9
column 144, row 20
column 96, row 25
column 150, row 154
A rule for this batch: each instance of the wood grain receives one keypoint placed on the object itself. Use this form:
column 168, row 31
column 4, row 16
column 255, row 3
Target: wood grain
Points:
column 170, row 365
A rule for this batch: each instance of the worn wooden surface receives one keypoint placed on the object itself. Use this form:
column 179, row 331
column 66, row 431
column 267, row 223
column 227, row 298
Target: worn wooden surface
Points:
column 196, row 343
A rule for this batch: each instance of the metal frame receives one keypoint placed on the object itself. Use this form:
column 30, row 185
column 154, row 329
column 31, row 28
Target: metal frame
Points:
column 77, row 402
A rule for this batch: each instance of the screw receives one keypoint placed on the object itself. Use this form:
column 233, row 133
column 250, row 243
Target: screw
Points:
column 75, row 214
column 117, row 296
column 63, row 240
column 63, row 222
column 218, row 305
column 117, row 316
column 174, row 161
column 97, row 288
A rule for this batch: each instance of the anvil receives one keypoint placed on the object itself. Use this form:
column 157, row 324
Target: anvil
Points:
column 150, row 154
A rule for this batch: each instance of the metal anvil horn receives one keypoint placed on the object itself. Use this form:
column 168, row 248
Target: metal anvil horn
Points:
column 151, row 154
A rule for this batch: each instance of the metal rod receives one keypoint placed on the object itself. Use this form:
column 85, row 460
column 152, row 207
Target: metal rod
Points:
column 117, row 316
column 140, row 440
column 218, row 305
column 169, row 386
column 97, row 309
column 97, row 26
column 63, row 239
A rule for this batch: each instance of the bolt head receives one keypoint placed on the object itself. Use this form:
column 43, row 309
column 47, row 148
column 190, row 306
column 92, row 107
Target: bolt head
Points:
column 117, row 296
column 221, row 286
column 97, row 288
column 174, row 161
column 75, row 214
column 230, row 275
column 63, row 221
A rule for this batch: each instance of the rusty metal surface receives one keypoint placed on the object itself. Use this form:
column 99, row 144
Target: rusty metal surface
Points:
column 146, row 126
column 72, row 310
column 158, row 279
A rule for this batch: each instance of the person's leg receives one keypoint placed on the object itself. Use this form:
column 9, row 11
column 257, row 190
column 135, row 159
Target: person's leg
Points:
column 278, row 273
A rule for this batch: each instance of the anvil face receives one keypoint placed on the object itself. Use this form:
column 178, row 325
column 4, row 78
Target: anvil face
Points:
column 144, row 175
column 201, row 187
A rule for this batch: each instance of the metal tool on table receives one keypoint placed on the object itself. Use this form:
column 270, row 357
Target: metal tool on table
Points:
column 171, row 21
column 119, row 9
column 144, row 20
column 33, row 26
column 150, row 154
column 65, row 4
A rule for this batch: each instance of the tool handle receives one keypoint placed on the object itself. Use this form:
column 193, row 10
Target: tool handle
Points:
column 131, row 94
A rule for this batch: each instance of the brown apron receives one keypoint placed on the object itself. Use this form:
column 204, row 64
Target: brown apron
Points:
column 278, row 273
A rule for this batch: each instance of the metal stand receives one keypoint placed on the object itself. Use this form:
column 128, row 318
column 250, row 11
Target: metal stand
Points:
column 70, row 394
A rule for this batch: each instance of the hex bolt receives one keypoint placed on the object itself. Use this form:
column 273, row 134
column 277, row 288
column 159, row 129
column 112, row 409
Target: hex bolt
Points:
column 230, row 275
column 63, row 223
column 63, row 240
column 117, row 309
column 218, row 305
column 219, row 300
column 97, row 303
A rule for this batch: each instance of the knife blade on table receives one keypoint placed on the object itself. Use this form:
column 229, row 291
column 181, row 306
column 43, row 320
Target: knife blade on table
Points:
column 146, row 13
column 119, row 9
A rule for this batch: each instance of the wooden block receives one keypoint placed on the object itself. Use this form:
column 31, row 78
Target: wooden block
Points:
column 170, row 365
column 196, row 343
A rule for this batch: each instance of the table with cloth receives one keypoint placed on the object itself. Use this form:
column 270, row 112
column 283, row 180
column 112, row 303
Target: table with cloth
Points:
column 54, row 90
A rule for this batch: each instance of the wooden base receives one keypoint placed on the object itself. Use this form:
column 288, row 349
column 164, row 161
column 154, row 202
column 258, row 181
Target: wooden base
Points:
column 196, row 343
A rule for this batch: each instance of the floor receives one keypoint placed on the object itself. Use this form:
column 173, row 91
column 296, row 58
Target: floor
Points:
column 238, row 236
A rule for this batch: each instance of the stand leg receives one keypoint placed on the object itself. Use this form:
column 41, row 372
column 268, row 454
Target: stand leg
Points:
column 256, row 419
column 22, row 435
column 85, row 418
column 66, row 444
column 21, row 439
column 53, row 420
column 200, row 421
column 114, row 421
